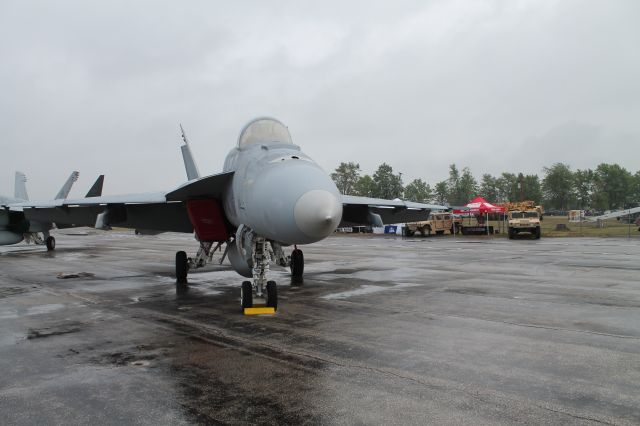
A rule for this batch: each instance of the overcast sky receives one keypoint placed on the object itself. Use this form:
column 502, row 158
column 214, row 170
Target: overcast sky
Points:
column 101, row 87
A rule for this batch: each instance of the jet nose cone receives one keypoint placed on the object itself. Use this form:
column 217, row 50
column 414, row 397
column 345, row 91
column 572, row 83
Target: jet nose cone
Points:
column 317, row 213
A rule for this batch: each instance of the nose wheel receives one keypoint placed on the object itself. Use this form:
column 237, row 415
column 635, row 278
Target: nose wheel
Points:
column 272, row 295
column 246, row 295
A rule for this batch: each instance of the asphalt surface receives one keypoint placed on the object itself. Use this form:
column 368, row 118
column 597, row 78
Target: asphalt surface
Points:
column 383, row 330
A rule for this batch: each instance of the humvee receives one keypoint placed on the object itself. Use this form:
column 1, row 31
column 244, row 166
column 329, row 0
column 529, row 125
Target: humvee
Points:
column 524, row 221
column 436, row 223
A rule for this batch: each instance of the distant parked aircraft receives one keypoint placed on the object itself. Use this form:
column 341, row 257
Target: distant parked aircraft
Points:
column 15, row 227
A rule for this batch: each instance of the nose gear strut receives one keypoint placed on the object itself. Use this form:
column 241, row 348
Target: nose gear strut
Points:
column 262, row 255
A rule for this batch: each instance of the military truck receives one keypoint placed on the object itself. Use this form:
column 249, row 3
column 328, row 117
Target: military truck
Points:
column 523, row 206
column 436, row 223
column 524, row 221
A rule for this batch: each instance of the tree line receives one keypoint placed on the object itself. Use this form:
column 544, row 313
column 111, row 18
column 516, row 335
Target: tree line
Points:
column 607, row 187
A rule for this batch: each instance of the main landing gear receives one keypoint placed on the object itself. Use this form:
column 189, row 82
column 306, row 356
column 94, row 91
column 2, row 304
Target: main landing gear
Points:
column 297, row 263
column 182, row 268
column 41, row 239
column 184, row 263
column 50, row 242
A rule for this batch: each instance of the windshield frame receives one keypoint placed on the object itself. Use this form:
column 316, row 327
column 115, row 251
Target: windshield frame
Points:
column 264, row 131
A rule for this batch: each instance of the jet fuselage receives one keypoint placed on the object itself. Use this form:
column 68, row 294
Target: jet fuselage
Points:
column 277, row 190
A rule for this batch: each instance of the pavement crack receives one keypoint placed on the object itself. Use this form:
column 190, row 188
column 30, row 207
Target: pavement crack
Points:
column 575, row 416
column 544, row 327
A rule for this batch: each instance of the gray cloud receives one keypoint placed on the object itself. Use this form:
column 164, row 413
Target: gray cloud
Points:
column 493, row 85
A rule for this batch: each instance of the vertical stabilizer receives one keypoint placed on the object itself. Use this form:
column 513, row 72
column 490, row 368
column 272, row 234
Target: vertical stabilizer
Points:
column 66, row 188
column 96, row 189
column 20, row 189
column 189, row 163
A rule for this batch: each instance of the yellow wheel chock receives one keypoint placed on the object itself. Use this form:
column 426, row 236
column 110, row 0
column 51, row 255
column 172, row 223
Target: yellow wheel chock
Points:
column 260, row 310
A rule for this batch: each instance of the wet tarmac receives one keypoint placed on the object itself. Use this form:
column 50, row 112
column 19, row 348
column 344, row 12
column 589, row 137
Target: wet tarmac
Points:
column 383, row 330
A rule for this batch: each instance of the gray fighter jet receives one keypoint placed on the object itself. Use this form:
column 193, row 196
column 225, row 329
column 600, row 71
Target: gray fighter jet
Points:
column 15, row 227
column 270, row 195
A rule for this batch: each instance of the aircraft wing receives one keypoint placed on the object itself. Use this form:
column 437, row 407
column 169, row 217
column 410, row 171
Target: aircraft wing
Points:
column 210, row 187
column 159, row 211
column 613, row 215
column 378, row 211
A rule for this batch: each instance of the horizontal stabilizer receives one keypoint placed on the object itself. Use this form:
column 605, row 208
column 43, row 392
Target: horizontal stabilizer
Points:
column 210, row 186
column 96, row 189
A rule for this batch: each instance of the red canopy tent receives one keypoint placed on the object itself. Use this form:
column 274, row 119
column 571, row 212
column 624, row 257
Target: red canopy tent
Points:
column 479, row 206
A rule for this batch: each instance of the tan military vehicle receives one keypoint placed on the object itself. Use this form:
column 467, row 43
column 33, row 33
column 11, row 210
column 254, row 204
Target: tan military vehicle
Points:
column 436, row 223
column 524, row 221
column 524, row 206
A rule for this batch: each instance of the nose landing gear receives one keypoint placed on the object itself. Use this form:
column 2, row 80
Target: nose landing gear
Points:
column 262, row 255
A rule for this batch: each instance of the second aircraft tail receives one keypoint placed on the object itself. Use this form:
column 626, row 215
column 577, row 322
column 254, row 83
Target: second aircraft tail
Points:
column 96, row 189
column 20, row 189
column 66, row 188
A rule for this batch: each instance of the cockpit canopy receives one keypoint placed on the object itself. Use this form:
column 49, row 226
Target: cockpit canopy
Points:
column 264, row 131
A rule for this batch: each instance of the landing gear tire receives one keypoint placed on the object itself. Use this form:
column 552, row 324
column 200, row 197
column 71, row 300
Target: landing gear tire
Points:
column 537, row 234
column 272, row 295
column 51, row 243
column 297, row 264
column 182, row 267
column 246, row 295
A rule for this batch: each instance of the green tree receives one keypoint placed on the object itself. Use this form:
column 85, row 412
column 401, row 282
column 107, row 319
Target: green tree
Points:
column 583, row 187
column 531, row 188
column 508, row 189
column 346, row 177
column 387, row 185
column 442, row 192
column 460, row 187
column 467, row 187
column 635, row 187
column 418, row 191
column 557, row 186
column 453, row 184
column 613, row 185
column 365, row 187
column 489, row 188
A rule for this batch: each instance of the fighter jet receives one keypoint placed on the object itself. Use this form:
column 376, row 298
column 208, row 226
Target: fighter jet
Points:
column 15, row 227
column 269, row 196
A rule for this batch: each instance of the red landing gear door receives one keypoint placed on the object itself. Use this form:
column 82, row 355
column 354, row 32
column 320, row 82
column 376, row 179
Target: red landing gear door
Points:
column 207, row 218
